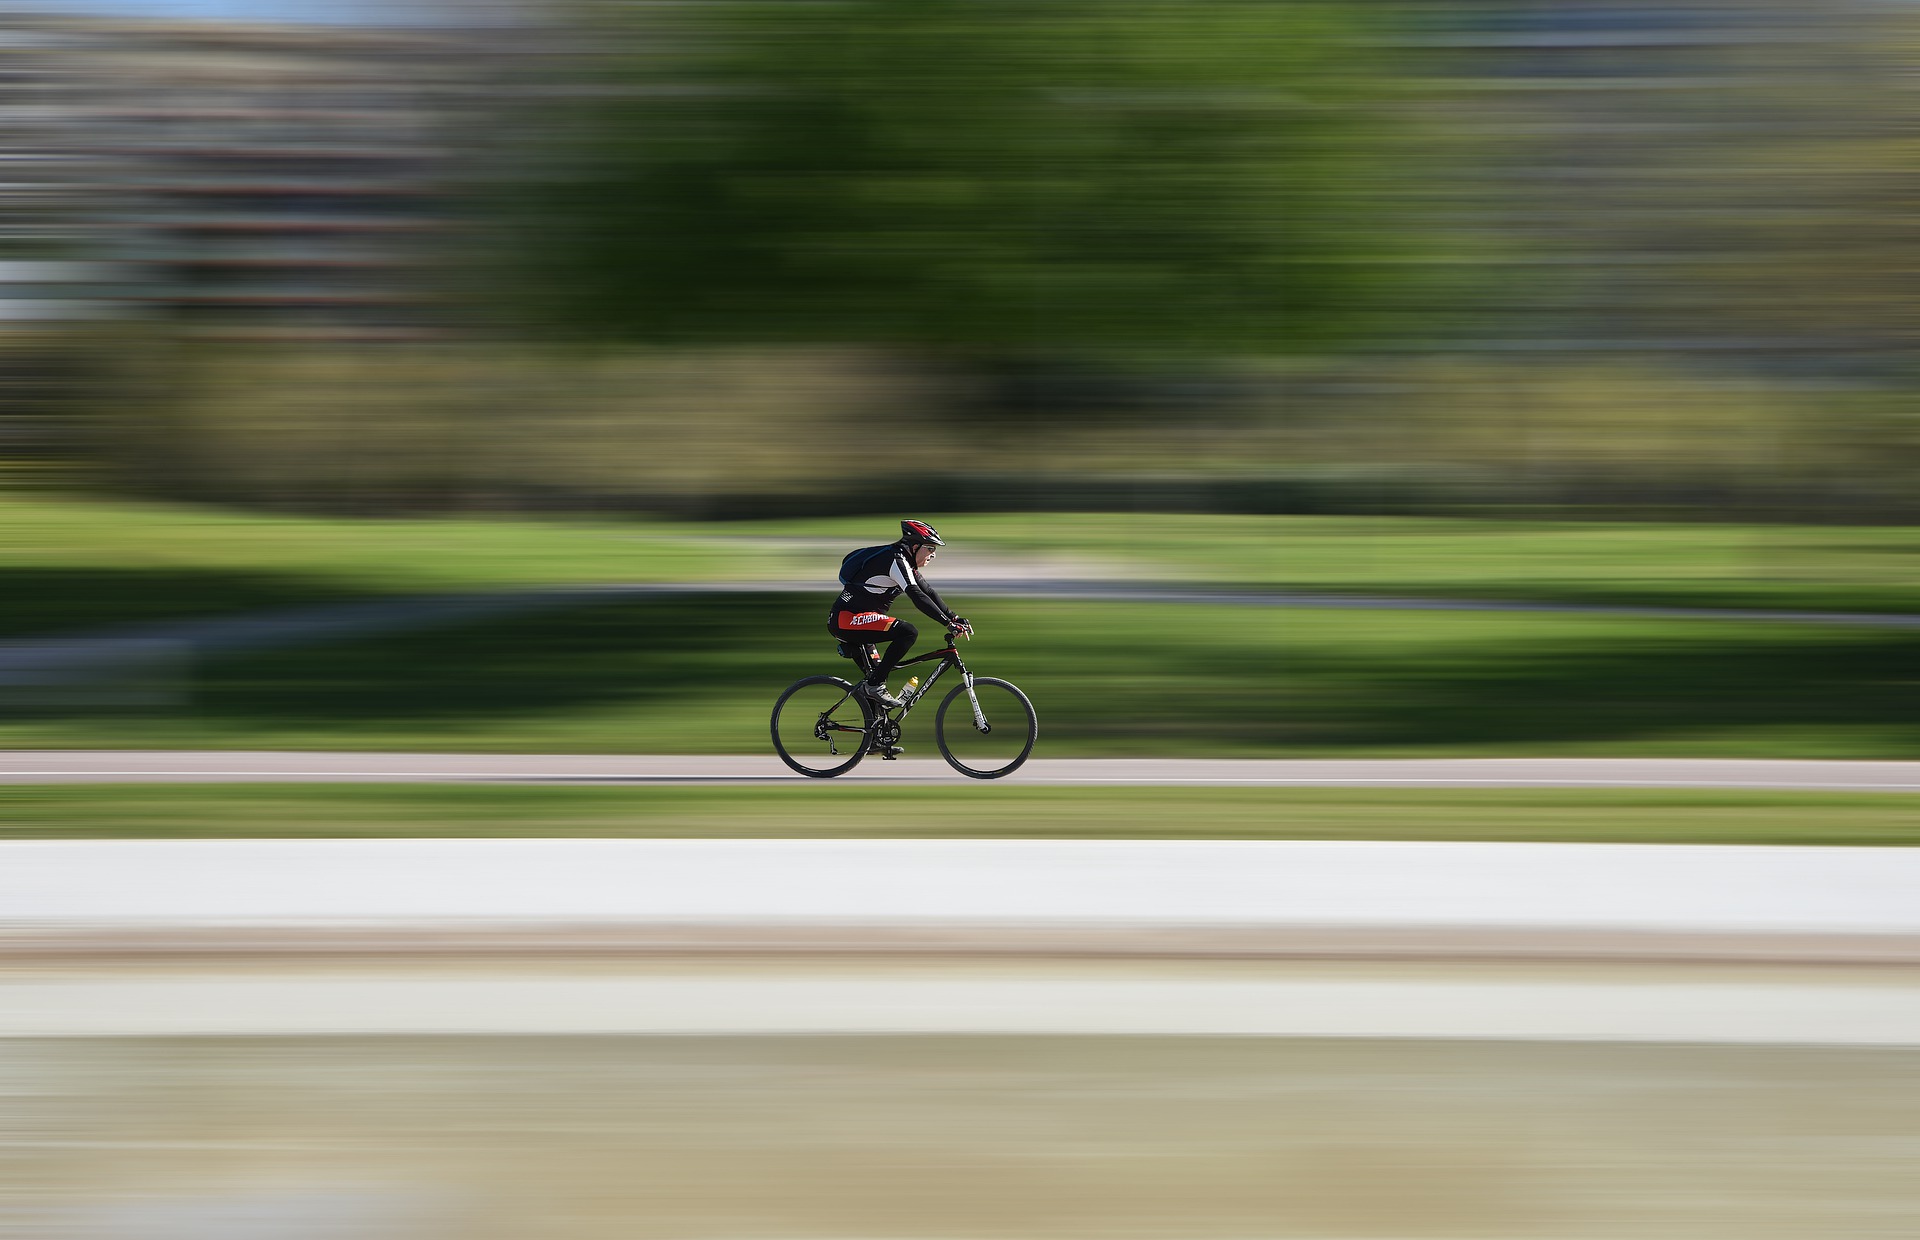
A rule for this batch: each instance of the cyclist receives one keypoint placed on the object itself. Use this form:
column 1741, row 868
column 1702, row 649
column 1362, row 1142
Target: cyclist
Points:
column 871, row 579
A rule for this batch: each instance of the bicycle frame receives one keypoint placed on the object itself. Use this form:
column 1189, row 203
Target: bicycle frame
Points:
column 947, row 656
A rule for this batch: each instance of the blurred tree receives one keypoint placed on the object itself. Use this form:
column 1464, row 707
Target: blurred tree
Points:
column 979, row 177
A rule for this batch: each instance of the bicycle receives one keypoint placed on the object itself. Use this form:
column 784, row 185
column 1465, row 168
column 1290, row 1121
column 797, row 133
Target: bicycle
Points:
column 988, row 739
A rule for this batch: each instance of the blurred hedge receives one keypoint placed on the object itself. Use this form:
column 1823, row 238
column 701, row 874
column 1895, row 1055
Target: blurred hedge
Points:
column 720, row 433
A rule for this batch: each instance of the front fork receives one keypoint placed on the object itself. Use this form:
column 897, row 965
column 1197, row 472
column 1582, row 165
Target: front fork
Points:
column 979, row 717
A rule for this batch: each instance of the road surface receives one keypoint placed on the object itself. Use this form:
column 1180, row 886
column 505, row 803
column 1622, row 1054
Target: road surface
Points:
column 244, row 766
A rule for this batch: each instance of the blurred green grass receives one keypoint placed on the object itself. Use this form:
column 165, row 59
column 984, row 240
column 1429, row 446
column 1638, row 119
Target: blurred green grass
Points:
column 846, row 809
column 68, row 564
column 700, row 675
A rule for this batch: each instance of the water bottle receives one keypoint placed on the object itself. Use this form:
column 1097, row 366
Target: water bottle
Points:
column 913, row 687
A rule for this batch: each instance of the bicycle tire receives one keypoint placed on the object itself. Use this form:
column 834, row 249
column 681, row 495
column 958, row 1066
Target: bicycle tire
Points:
column 802, row 763
column 959, row 693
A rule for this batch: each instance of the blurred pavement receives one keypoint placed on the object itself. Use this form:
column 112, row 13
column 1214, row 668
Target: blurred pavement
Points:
column 929, row 1138
column 57, row 766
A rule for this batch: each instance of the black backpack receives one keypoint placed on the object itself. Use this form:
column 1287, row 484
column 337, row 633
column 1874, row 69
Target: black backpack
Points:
column 846, row 565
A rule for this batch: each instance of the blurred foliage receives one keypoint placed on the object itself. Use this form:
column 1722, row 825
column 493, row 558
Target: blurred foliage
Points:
column 739, row 432
column 52, row 383
column 976, row 176
column 473, row 426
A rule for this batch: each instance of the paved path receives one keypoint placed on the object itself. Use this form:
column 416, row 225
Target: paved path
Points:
column 28, row 766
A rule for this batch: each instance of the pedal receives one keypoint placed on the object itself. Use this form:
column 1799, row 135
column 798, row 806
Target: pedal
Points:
column 889, row 753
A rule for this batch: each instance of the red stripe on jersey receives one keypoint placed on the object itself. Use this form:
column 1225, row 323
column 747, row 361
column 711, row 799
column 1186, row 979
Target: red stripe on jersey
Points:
column 871, row 620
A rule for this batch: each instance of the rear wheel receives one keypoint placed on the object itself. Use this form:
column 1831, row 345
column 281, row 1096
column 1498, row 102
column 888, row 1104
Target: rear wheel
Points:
column 820, row 728
column 1002, row 744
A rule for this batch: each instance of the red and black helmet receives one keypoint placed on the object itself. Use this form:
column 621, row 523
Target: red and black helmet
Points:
column 919, row 534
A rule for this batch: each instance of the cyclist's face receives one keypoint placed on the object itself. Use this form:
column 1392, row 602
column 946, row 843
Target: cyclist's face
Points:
column 923, row 556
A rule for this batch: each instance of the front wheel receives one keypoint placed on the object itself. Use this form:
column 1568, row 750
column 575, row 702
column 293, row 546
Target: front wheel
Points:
column 820, row 728
column 994, row 739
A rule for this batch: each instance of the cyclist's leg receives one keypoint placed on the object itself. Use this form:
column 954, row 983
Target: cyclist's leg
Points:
column 875, row 629
column 903, row 635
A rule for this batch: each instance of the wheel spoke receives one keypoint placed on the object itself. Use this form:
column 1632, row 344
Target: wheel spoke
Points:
column 1005, row 741
column 818, row 729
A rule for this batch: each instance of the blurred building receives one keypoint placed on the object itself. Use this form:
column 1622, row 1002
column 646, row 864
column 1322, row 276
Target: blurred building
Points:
column 51, row 170
column 1712, row 177
column 240, row 181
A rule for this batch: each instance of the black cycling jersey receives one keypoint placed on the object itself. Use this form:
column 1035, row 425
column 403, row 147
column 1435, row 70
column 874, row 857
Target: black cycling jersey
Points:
column 873, row 577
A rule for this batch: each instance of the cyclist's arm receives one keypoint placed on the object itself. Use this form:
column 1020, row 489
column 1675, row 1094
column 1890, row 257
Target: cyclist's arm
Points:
column 909, row 579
